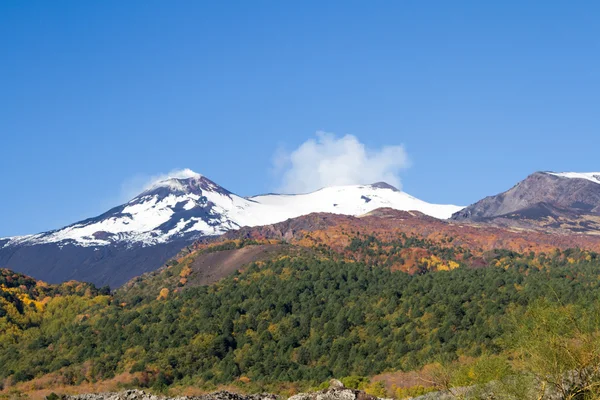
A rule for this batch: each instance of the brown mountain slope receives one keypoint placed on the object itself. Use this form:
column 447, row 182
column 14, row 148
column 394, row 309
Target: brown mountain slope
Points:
column 544, row 201
column 336, row 231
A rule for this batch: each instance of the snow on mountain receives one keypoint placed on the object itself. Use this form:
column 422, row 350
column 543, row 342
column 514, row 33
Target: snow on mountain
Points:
column 350, row 200
column 590, row 176
column 192, row 205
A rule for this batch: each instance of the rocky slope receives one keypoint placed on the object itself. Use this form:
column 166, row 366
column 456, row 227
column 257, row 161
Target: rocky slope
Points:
column 336, row 231
column 564, row 202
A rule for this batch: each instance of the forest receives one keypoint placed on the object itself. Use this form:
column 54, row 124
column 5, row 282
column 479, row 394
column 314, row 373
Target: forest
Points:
column 303, row 318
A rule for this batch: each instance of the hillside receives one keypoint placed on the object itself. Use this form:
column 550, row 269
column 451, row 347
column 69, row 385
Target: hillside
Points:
column 337, row 231
column 300, row 311
column 25, row 303
column 402, row 241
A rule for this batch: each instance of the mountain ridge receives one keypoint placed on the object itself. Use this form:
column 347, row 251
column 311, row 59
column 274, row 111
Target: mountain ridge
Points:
column 209, row 209
column 142, row 234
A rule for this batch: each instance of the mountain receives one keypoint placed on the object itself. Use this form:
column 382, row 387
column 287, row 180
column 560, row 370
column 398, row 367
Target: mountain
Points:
column 140, row 235
column 566, row 202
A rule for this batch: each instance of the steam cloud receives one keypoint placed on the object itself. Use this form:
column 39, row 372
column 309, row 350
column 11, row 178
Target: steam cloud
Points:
column 328, row 160
column 137, row 184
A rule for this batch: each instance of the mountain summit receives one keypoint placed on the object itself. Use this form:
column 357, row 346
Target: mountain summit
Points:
column 566, row 201
column 142, row 234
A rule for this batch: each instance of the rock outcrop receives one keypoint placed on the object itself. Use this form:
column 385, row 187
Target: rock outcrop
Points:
column 336, row 391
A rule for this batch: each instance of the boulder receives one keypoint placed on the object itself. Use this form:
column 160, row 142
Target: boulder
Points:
column 335, row 392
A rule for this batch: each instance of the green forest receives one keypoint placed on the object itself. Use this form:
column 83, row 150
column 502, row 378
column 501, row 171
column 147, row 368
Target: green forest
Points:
column 306, row 318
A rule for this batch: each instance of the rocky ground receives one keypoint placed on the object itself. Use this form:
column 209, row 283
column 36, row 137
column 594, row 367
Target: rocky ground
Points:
column 336, row 391
column 136, row 394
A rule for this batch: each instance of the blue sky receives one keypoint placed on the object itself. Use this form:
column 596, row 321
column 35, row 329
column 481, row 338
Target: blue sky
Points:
column 96, row 95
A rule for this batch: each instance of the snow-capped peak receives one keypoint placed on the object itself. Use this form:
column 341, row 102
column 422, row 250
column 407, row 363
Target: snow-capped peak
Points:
column 590, row 176
column 173, row 179
column 190, row 205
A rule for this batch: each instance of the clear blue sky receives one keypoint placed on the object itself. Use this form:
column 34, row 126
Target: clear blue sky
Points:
column 480, row 93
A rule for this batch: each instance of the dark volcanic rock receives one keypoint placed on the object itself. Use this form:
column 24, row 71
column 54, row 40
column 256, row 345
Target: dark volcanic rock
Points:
column 102, row 265
column 211, row 267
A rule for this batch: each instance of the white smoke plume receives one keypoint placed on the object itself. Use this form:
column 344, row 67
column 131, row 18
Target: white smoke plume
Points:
column 329, row 160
